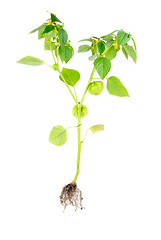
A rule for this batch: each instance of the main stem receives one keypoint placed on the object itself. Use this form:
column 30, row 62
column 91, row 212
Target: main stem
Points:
column 79, row 141
column 79, row 127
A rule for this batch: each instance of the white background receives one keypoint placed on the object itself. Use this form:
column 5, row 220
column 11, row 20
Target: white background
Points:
column 120, row 168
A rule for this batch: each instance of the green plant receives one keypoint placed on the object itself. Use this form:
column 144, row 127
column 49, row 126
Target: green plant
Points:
column 103, row 49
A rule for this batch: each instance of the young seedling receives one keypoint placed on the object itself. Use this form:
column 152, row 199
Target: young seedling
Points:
column 103, row 49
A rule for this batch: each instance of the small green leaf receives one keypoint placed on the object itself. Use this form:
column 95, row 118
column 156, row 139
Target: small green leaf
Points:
column 101, row 47
column 96, row 87
column 87, row 39
column 58, row 135
column 94, row 49
column 84, row 111
column 111, row 53
column 131, row 52
column 29, row 60
column 54, row 18
column 48, row 28
column 96, row 128
column 102, row 66
column 124, row 52
column 91, row 58
column 122, row 37
column 66, row 53
column 84, row 48
column 134, row 44
column 71, row 76
column 39, row 28
column 63, row 37
column 47, row 45
column 115, row 87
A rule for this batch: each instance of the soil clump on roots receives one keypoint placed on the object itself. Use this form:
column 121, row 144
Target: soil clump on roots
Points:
column 71, row 195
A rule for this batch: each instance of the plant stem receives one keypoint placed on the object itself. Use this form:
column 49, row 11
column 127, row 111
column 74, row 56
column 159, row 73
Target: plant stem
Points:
column 75, row 98
column 79, row 126
column 79, row 142
column 52, row 52
column 91, row 77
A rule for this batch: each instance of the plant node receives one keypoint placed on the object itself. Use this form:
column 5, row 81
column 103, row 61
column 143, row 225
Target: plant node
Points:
column 71, row 195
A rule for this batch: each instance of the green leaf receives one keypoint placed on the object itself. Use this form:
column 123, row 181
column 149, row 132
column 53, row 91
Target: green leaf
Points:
column 58, row 135
column 109, row 43
column 84, row 111
column 66, row 53
column 96, row 128
column 41, row 34
column 101, row 47
column 29, row 60
column 54, row 18
column 71, row 76
column 84, row 48
column 39, row 28
column 96, row 87
column 91, row 58
column 124, row 52
column 94, row 49
column 48, row 28
column 107, row 38
column 134, row 44
column 115, row 87
column 47, row 45
column 122, row 37
column 111, row 53
column 50, row 35
column 102, row 66
column 131, row 52
column 87, row 39
column 63, row 37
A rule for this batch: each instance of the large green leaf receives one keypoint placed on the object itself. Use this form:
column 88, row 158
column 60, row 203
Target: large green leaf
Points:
column 111, row 53
column 115, row 87
column 101, row 47
column 71, row 76
column 84, row 48
column 58, row 135
column 63, row 37
column 29, row 60
column 39, row 28
column 122, row 37
column 54, row 18
column 66, row 53
column 96, row 128
column 131, row 52
column 102, row 66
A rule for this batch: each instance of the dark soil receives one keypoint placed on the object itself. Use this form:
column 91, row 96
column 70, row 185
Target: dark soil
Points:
column 71, row 195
